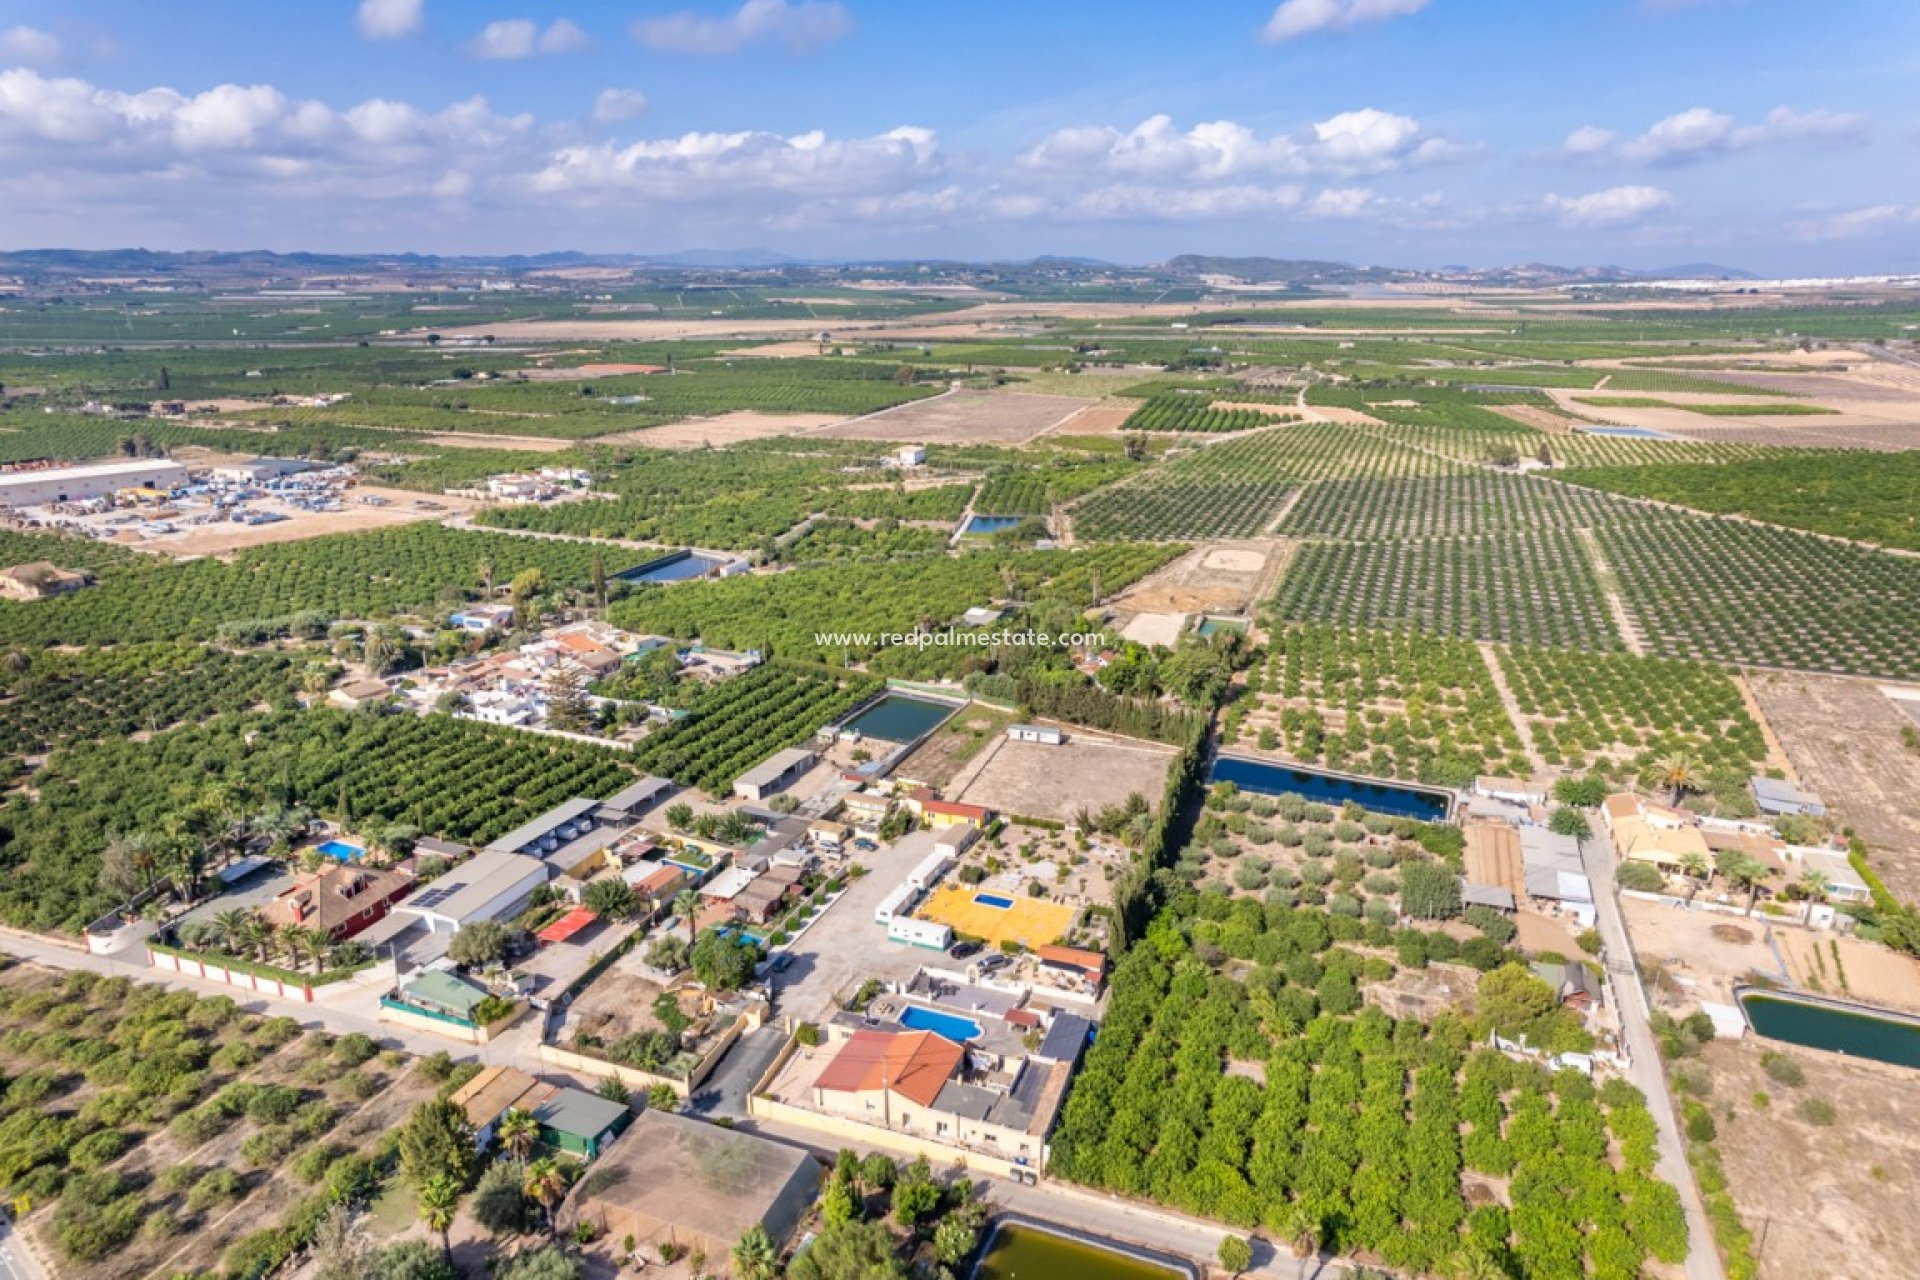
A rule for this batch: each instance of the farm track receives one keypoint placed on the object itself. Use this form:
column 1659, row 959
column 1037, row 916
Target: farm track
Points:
column 1491, row 656
column 1629, row 629
column 1776, row 750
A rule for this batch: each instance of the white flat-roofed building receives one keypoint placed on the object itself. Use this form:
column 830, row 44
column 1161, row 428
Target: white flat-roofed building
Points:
column 773, row 774
column 87, row 481
column 492, row 885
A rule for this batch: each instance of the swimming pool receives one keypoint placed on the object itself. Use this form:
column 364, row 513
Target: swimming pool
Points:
column 1271, row 779
column 340, row 850
column 948, row 1026
column 993, row 900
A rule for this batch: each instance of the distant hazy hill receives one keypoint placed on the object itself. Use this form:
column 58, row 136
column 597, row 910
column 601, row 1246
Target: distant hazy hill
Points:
column 1278, row 270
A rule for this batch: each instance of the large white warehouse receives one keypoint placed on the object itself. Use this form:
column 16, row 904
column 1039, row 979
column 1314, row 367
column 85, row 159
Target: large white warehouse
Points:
column 87, row 480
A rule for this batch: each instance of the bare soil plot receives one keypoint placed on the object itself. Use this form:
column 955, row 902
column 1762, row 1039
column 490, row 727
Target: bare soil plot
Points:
column 1097, row 420
column 470, row 440
column 1087, row 771
column 720, row 430
column 1843, row 737
column 962, row 417
column 1155, row 628
column 1802, row 1187
column 1217, row 577
column 224, row 539
column 1704, row 953
column 1871, row 972
column 939, row 759
column 1533, row 415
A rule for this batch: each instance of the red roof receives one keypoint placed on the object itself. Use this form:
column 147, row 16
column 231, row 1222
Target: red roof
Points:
column 567, row 925
column 1022, row 1018
column 1074, row 958
column 913, row 1064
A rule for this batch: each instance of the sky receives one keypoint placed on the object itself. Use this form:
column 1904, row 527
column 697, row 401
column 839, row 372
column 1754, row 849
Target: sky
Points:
column 1776, row 136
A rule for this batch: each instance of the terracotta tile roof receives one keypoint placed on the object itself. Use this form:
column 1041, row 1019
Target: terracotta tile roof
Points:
column 951, row 809
column 331, row 899
column 913, row 1064
column 1074, row 958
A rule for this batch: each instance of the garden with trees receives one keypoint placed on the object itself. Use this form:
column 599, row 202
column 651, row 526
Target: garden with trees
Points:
column 190, row 792
column 1268, row 1102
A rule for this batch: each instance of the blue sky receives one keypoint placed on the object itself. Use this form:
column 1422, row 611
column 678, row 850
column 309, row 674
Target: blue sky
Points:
column 1775, row 135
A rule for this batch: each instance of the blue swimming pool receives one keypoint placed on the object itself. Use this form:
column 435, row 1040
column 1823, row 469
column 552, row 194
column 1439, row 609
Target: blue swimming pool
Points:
column 1638, row 433
column 340, row 850
column 993, row 900
column 1390, row 798
column 948, row 1026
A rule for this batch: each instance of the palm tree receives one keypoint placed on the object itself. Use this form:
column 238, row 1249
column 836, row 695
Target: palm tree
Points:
column 686, row 905
column 1694, row 865
column 1679, row 773
column 1302, row 1228
column 1743, row 872
column 1814, row 885
column 377, row 650
column 259, row 938
column 305, row 945
column 755, row 1256
column 439, row 1202
column 485, row 570
column 546, row 1184
column 230, row 928
column 518, row 1132
column 1475, row 1262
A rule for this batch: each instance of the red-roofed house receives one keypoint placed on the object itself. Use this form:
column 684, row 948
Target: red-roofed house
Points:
column 882, row 1076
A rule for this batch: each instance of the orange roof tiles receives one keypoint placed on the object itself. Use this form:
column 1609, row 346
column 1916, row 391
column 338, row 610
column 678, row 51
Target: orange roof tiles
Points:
column 913, row 1064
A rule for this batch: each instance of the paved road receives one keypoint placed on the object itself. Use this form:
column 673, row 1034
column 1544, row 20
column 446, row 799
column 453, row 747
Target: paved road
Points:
column 724, row 1094
column 1645, row 1070
column 16, row 1260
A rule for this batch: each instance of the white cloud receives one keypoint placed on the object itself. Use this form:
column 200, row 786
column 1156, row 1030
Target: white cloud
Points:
column 1616, row 206
column 1700, row 133
column 390, row 19
column 30, row 46
column 1858, row 224
column 1296, row 18
column 1342, row 202
column 744, row 165
column 618, row 104
column 511, row 39
column 1366, row 141
column 802, row 27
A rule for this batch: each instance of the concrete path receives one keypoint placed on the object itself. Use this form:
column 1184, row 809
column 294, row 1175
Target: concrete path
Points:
column 1644, row 1070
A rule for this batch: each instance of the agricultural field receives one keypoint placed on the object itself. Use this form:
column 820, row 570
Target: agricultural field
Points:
column 1869, row 497
column 410, row 570
column 1617, row 714
column 1526, row 587
column 1195, row 411
column 455, row 778
column 157, row 1131
column 1728, row 591
column 735, row 725
column 859, row 604
column 963, row 417
column 1757, row 409
column 1392, row 704
column 56, row 696
column 1266, row 1095
column 1476, row 502
column 1235, row 489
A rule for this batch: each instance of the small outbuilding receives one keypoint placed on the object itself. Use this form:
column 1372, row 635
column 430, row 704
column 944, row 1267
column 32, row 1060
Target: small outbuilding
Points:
column 1046, row 735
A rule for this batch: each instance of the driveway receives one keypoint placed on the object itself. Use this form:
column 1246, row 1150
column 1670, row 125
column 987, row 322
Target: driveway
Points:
column 1645, row 1070
column 844, row 947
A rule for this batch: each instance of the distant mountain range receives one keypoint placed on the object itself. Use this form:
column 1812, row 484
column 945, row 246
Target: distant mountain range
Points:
column 260, row 264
